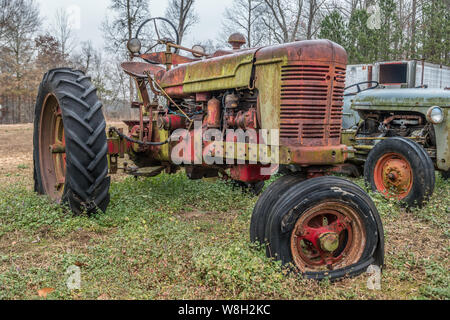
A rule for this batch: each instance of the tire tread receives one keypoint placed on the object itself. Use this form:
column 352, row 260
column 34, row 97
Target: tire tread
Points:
column 87, row 182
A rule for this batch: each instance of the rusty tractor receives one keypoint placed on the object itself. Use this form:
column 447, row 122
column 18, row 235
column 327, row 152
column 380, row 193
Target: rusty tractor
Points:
column 239, row 114
column 400, row 136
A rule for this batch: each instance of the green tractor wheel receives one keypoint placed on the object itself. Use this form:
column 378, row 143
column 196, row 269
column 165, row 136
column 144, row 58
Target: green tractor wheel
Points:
column 401, row 169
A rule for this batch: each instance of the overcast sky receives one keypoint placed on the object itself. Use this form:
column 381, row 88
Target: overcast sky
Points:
column 92, row 13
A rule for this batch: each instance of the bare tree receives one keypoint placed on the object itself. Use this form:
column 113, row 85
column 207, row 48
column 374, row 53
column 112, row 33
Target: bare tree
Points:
column 412, row 51
column 21, row 21
column 210, row 46
column 17, row 72
column 128, row 15
column 314, row 7
column 48, row 54
column 84, row 58
column 283, row 18
column 245, row 16
column 91, row 61
column 182, row 14
column 63, row 32
column 5, row 16
column 345, row 7
column 90, row 55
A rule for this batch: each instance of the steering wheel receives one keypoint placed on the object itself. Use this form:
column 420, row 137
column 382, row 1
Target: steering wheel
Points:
column 160, row 39
column 358, row 86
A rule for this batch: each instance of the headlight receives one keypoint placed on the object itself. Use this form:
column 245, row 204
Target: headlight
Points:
column 134, row 45
column 435, row 115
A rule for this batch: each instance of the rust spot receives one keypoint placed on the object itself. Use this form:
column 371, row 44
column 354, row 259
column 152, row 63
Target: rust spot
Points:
column 141, row 69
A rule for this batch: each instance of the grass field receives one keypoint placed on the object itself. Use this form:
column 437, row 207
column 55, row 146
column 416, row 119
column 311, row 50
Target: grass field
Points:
column 171, row 238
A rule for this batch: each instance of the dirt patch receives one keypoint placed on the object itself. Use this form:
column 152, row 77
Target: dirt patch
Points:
column 193, row 214
column 40, row 250
column 16, row 153
column 409, row 234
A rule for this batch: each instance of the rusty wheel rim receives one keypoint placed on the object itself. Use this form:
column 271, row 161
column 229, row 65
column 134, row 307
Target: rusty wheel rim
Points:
column 52, row 145
column 393, row 176
column 329, row 236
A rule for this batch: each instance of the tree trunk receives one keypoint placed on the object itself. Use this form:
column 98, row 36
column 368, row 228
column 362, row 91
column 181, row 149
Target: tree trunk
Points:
column 413, row 29
column 130, row 35
column 310, row 19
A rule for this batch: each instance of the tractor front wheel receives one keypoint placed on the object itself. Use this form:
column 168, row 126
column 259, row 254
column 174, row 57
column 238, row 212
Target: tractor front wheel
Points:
column 266, row 202
column 325, row 228
column 70, row 146
column 401, row 169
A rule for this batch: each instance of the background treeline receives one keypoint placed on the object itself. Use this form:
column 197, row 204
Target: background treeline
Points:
column 369, row 30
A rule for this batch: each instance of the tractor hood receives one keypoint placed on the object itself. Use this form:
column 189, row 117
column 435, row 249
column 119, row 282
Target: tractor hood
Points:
column 400, row 99
column 218, row 73
column 235, row 69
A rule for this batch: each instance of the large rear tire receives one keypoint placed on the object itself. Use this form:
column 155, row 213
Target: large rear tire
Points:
column 400, row 168
column 326, row 228
column 70, row 146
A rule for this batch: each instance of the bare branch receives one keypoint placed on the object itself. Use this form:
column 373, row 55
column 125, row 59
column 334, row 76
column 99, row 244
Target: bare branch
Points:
column 245, row 16
column 182, row 14
column 63, row 32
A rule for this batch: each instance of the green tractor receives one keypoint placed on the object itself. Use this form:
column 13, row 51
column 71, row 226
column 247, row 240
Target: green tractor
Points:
column 401, row 136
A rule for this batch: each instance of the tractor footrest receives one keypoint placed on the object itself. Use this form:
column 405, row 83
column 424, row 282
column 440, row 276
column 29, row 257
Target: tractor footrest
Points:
column 144, row 172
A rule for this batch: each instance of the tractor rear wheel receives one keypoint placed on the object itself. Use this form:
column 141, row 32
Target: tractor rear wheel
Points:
column 266, row 202
column 70, row 146
column 326, row 228
column 400, row 168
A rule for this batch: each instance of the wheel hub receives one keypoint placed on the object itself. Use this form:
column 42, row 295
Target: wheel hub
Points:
column 52, row 151
column 393, row 176
column 329, row 242
column 327, row 237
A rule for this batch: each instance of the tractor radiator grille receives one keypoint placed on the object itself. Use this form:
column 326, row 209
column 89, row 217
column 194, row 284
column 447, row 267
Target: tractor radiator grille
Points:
column 311, row 103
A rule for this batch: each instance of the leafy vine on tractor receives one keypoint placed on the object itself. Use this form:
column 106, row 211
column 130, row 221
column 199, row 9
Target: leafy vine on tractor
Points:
column 242, row 114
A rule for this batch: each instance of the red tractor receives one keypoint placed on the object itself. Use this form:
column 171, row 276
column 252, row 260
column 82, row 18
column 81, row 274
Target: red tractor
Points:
column 241, row 114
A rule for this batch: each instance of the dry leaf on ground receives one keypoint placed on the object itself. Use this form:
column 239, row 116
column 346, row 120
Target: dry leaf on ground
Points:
column 44, row 292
